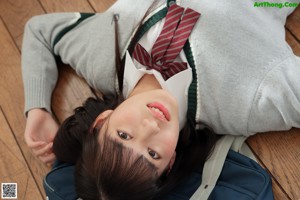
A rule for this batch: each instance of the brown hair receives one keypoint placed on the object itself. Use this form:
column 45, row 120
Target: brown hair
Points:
column 110, row 171
column 105, row 170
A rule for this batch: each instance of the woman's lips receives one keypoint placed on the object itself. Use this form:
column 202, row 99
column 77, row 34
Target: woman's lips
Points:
column 159, row 111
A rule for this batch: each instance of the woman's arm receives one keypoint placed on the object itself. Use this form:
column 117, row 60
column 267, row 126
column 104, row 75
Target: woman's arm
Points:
column 39, row 59
column 40, row 76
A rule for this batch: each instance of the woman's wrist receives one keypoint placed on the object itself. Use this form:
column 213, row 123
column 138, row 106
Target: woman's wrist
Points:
column 36, row 111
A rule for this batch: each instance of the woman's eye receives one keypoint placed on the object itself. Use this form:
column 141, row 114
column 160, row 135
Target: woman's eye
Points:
column 153, row 154
column 123, row 136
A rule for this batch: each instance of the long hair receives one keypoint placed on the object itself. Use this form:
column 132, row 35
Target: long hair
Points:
column 193, row 148
column 111, row 171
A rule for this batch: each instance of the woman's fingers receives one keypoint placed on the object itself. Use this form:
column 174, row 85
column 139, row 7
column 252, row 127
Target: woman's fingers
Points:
column 39, row 133
column 48, row 158
column 45, row 154
column 42, row 150
column 36, row 145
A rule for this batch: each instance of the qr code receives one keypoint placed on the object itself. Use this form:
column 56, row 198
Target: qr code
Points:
column 9, row 191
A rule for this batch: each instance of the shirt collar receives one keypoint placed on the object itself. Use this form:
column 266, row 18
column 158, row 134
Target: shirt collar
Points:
column 177, row 85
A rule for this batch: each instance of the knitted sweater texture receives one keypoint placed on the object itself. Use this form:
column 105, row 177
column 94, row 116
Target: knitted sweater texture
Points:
column 247, row 77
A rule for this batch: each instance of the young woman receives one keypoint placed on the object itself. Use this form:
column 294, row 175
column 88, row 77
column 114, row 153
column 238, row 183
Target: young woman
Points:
column 239, row 77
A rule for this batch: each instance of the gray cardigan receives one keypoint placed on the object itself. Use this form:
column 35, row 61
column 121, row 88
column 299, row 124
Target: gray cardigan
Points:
column 246, row 76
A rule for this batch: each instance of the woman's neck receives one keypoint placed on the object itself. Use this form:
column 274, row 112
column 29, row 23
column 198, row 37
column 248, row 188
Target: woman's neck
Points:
column 146, row 83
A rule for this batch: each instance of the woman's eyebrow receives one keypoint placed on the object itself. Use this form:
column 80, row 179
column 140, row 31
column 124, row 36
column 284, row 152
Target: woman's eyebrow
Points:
column 138, row 155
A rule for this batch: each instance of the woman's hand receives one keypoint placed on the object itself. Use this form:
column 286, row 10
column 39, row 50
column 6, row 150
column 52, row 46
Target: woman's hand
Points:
column 39, row 134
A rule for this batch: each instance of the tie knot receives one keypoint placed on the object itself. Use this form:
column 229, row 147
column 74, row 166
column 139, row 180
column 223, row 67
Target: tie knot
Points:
column 175, row 32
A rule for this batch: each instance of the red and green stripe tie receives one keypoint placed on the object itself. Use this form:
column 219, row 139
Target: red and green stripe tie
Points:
column 177, row 28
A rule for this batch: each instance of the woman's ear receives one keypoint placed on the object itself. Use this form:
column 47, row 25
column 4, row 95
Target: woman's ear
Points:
column 171, row 163
column 102, row 117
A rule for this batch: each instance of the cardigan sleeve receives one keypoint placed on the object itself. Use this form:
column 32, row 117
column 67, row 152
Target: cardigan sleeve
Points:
column 39, row 69
column 84, row 41
column 277, row 102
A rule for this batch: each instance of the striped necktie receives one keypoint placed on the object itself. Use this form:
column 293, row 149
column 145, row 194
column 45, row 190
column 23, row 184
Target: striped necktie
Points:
column 175, row 32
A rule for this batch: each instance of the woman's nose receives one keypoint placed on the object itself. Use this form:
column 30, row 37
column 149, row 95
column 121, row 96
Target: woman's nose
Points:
column 150, row 126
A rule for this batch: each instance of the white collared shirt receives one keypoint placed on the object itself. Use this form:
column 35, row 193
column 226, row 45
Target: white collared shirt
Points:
column 177, row 85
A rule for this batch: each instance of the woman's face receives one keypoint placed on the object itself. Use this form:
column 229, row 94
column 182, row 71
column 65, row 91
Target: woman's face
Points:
column 148, row 124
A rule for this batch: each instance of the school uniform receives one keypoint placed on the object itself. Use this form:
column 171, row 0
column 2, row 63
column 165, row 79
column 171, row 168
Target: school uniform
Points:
column 242, row 76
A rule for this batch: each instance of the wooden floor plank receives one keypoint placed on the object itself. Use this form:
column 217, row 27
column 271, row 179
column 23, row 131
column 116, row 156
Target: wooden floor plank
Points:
column 279, row 152
column 295, row 45
column 15, row 14
column 71, row 92
column 13, row 168
column 100, row 5
column 12, row 98
column 293, row 23
column 279, row 193
column 66, row 6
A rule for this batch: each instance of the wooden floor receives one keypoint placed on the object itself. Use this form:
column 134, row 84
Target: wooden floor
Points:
column 278, row 152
